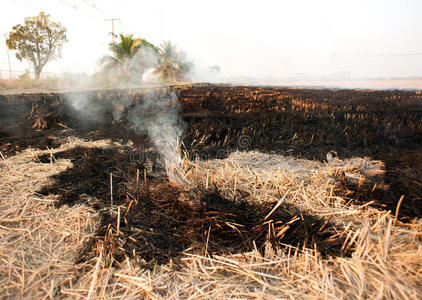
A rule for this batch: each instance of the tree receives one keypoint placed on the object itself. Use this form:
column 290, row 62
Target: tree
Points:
column 131, row 57
column 172, row 63
column 38, row 41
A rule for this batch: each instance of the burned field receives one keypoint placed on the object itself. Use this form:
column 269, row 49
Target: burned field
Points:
column 257, row 207
column 383, row 125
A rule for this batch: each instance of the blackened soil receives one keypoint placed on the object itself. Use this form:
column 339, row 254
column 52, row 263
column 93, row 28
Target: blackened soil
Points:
column 90, row 176
column 156, row 227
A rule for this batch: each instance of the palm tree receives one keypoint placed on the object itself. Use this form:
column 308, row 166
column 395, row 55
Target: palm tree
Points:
column 172, row 63
column 131, row 57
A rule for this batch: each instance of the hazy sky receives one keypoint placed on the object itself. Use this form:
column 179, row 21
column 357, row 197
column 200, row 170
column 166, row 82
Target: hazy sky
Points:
column 283, row 39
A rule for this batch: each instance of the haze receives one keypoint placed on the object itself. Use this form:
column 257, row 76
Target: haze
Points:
column 329, row 39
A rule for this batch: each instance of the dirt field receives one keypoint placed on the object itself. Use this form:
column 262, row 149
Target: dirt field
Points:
column 261, row 209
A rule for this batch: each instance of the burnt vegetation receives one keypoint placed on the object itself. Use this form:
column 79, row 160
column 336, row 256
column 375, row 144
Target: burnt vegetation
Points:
column 153, row 226
column 382, row 125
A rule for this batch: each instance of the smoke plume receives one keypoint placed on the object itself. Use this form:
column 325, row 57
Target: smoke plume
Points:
column 158, row 116
column 155, row 114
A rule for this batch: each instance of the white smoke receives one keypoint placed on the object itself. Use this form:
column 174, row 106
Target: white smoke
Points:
column 130, row 72
column 84, row 107
column 158, row 116
column 210, row 74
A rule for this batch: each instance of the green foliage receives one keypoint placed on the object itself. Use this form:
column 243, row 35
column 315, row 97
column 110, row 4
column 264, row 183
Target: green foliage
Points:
column 131, row 57
column 38, row 41
column 172, row 63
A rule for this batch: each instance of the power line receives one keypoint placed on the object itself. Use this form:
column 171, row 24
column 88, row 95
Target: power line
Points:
column 94, row 6
column 74, row 7
column 104, row 13
column 126, row 24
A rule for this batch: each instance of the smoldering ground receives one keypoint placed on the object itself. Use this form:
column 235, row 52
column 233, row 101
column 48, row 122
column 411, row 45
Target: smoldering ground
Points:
column 159, row 117
column 155, row 114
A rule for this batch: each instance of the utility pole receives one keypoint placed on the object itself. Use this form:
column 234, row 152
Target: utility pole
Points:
column 112, row 27
column 8, row 58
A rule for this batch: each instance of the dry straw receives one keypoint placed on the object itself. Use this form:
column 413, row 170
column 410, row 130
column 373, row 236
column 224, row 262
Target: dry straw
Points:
column 39, row 242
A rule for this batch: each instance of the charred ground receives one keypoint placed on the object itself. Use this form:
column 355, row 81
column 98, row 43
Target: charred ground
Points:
column 384, row 125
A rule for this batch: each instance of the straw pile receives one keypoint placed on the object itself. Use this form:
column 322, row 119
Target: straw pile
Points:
column 40, row 243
